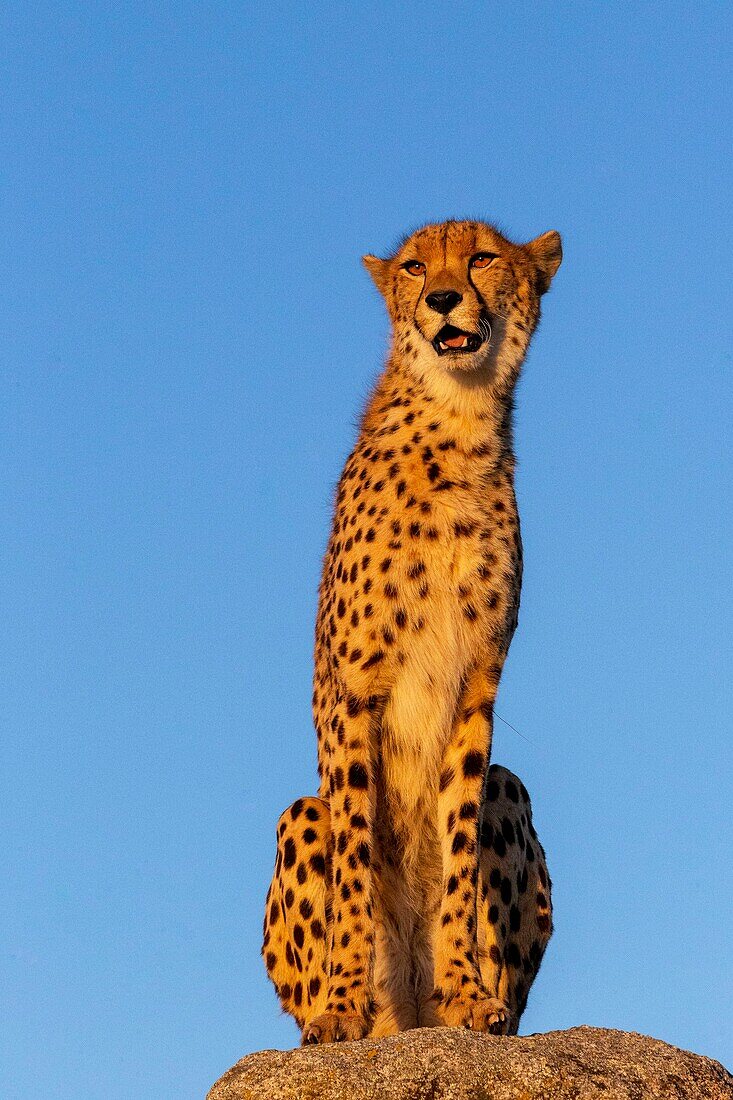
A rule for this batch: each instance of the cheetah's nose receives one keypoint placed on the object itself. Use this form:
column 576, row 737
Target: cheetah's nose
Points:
column 443, row 301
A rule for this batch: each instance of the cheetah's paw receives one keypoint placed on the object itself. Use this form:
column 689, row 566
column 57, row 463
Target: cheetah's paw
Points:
column 332, row 1027
column 479, row 1012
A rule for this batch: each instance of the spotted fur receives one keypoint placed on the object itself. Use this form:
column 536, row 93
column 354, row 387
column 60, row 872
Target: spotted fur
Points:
column 418, row 605
column 514, row 912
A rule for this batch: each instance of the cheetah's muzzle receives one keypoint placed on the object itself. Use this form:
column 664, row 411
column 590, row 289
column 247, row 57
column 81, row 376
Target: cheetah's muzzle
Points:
column 451, row 340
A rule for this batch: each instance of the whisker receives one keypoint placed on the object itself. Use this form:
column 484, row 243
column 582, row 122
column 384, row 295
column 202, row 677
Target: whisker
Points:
column 511, row 727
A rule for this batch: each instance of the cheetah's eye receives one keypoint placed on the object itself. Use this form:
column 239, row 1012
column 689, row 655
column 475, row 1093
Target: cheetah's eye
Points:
column 414, row 267
column 483, row 259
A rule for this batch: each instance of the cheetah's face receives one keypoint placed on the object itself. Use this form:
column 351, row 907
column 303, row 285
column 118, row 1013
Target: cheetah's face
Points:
column 457, row 291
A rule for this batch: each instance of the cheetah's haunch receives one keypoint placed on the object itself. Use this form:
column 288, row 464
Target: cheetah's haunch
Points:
column 413, row 891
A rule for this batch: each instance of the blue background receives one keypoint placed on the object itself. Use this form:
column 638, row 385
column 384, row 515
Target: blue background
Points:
column 187, row 340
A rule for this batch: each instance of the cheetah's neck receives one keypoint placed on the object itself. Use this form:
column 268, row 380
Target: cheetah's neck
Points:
column 464, row 414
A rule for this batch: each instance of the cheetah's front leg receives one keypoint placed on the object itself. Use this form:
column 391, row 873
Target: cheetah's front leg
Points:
column 460, row 997
column 349, row 1006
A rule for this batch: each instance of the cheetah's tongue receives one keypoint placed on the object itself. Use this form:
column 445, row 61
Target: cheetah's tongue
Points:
column 458, row 341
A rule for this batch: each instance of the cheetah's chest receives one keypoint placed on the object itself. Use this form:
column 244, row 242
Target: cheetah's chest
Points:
column 446, row 580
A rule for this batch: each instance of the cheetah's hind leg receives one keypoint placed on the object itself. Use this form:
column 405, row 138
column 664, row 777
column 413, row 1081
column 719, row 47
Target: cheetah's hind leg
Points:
column 297, row 914
column 515, row 906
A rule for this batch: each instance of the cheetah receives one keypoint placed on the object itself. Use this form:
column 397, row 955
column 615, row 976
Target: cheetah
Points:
column 418, row 603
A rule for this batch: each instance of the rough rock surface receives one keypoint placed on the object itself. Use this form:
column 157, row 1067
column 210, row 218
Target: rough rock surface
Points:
column 450, row 1064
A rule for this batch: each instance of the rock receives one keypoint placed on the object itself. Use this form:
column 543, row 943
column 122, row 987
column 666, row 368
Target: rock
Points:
column 450, row 1064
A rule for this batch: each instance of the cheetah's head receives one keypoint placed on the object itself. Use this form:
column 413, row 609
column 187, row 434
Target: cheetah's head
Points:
column 463, row 298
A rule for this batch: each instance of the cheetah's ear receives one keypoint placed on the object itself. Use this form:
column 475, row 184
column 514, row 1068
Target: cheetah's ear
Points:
column 546, row 251
column 378, row 269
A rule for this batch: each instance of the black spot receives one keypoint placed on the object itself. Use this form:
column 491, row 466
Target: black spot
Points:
column 364, row 854
column 514, row 919
column 512, row 955
column 460, row 840
column 492, row 791
column 296, row 809
column 301, row 873
column 507, row 830
column 306, row 909
column 358, row 776
column 298, row 936
column 473, row 764
column 511, row 791
column 373, row 660
column 317, row 864
column 353, row 706
column 289, row 856
column 309, row 835
column 452, row 885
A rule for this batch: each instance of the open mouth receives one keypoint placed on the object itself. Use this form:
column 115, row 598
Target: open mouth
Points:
column 451, row 340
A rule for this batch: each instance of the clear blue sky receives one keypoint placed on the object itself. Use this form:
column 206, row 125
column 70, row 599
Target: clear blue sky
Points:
column 187, row 339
